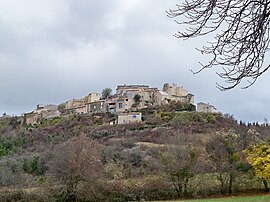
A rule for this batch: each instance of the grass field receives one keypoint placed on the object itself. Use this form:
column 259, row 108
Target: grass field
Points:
column 263, row 198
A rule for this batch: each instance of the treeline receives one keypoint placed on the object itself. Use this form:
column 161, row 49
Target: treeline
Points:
column 168, row 156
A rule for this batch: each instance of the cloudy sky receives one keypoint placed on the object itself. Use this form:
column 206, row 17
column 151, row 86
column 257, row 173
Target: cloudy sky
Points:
column 55, row 50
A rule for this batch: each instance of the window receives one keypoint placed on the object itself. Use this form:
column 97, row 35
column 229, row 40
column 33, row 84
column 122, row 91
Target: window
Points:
column 120, row 105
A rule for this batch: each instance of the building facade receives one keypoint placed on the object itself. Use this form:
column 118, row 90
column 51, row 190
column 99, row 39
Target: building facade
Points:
column 42, row 111
column 129, row 118
column 206, row 107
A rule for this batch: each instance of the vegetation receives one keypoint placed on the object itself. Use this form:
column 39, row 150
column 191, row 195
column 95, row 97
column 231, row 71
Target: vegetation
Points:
column 171, row 155
column 258, row 156
column 137, row 99
column 106, row 93
column 61, row 107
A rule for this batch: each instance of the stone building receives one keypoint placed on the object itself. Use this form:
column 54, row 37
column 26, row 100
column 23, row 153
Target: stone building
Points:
column 98, row 106
column 206, row 107
column 42, row 111
column 31, row 118
column 128, row 118
column 70, row 104
column 76, row 103
column 174, row 92
column 146, row 93
column 92, row 97
column 161, row 98
column 119, row 103
column 76, row 110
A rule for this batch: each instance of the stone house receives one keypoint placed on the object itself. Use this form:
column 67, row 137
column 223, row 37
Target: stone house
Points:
column 119, row 104
column 70, row 104
column 110, row 106
column 161, row 98
column 98, row 106
column 75, row 110
column 206, row 107
column 82, row 105
column 129, row 91
column 75, row 103
column 128, row 118
column 123, row 104
column 178, row 93
column 92, row 97
column 42, row 111
column 31, row 118
column 174, row 92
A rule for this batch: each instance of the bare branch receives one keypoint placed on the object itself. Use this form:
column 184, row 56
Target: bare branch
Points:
column 241, row 29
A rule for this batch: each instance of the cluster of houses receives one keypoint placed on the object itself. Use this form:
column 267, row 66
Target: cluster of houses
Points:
column 126, row 100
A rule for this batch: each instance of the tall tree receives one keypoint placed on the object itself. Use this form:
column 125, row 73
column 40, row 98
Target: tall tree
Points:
column 137, row 99
column 179, row 163
column 241, row 36
column 106, row 93
column 223, row 153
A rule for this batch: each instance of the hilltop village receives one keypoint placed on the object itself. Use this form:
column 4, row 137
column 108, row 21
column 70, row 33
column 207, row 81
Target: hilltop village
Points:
column 125, row 103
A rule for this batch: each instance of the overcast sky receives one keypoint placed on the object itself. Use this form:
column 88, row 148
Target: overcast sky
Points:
column 55, row 50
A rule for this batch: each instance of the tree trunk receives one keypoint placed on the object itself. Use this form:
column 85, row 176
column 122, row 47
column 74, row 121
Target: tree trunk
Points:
column 230, row 183
column 222, row 183
column 185, row 186
column 266, row 188
column 177, row 185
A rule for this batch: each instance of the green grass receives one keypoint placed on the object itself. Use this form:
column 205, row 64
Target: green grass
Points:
column 263, row 198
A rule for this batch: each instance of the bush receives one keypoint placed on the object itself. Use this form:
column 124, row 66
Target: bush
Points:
column 167, row 116
column 100, row 134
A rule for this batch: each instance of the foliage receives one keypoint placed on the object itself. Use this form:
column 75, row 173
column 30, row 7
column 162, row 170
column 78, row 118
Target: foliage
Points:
column 61, row 107
column 50, row 122
column 185, row 118
column 166, row 116
column 224, row 157
column 241, row 35
column 100, row 134
column 76, row 167
column 184, row 106
column 258, row 156
column 177, row 106
column 140, row 162
column 179, row 163
column 10, row 145
column 106, row 93
column 137, row 98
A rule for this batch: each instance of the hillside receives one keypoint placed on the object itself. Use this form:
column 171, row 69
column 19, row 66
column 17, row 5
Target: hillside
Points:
column 169, row 155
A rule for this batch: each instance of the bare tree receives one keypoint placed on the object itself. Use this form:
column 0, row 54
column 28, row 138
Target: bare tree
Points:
column 77, row 169
column 224, row 158
column 179, row 163
column 241, row 36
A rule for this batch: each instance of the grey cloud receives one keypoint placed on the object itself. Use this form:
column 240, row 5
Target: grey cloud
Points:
column 55, row 50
